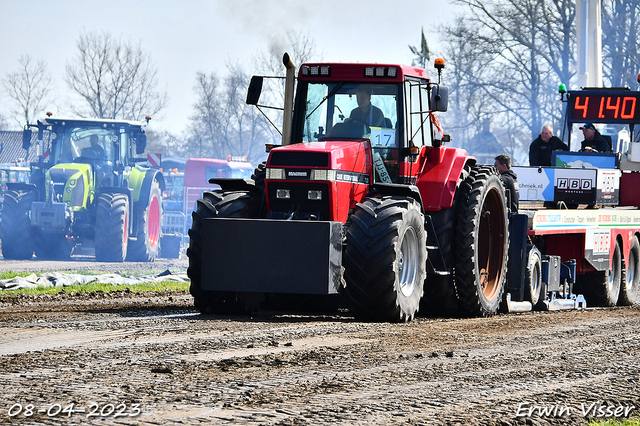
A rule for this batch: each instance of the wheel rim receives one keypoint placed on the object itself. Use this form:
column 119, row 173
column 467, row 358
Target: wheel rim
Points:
column 615, row 269
column 535, row 281
column 154, row 221
column 125, row 237
column 407, row 261
column 491, row 243
column 631, row 272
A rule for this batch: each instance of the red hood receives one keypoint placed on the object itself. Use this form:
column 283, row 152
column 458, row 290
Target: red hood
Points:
column 343, row 155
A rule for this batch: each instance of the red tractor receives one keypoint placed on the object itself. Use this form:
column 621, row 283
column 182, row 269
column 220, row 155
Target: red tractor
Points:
column 361, row 200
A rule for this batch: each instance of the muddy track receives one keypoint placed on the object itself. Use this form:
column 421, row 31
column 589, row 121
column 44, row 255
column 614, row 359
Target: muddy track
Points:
column 155, row 354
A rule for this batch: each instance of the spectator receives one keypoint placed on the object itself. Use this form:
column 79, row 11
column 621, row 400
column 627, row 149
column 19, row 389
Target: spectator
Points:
column 593, row 140
column 510, row 181
column 541, row 148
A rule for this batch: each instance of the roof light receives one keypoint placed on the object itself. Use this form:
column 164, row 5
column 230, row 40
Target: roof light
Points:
column 391, row 72
column 368, row 72
column 562, row 88
column 315, row 70
column 439, row 63
column 305, row 70
column 325, row 70
column 379, row 71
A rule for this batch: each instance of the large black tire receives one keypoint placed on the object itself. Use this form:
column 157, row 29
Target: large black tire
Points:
column 440, row 298
column 482, row 242
column 145, row 247
column 631, row 276
column 533, row 277
column 112, row 222
column 603, row 288
column 52, row 246
column 17, row 235
column 385, row 259
column 218, row 204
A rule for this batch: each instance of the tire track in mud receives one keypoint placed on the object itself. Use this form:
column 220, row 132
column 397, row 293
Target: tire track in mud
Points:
column 292, row 369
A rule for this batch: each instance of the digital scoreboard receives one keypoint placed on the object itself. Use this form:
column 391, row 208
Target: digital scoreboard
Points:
column 604, row 106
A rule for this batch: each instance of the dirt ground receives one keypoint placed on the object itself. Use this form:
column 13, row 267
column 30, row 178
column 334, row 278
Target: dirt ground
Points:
column 126, row 358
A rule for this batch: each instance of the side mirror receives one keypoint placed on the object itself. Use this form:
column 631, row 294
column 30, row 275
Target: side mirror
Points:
column 439, row 98
column 27, row 134
column 255, row 89
column 141, row 143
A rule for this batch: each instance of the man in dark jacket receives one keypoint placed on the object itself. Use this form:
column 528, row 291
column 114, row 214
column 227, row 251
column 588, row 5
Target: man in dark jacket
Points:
column 510, row 181
column 541, row 148
column 593, row 140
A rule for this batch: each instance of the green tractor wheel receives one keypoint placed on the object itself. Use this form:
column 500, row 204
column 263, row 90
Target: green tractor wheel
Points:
column 16, row 233
column 146, row 245
column 112, row 222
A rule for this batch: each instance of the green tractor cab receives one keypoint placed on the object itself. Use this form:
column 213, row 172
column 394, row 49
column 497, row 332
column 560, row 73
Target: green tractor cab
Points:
column 86, row 189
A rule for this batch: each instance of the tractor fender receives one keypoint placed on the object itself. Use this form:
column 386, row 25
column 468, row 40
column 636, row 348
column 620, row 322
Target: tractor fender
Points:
column 23, row 186
column 440, row 176
column 408, row 191
column 142, row 187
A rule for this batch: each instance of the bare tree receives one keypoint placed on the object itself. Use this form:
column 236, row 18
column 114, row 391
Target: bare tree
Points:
column 621, row 41
column 115, row 79
column 508, row 58
column 29, row 88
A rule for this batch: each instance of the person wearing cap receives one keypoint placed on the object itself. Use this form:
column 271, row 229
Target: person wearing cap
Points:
column 366, row 113
column 593, row 140
column 541, row 148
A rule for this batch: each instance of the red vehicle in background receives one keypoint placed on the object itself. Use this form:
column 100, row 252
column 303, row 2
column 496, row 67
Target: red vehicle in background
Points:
column 198, row 171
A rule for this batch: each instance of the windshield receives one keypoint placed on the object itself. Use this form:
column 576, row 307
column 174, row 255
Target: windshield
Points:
column 85, row 143
column 351, row 110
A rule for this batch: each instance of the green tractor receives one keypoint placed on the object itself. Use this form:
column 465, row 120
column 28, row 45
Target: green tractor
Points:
column 85, row 189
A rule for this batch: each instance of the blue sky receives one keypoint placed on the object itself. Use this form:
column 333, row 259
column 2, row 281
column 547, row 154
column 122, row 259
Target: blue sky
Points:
column 187, row 36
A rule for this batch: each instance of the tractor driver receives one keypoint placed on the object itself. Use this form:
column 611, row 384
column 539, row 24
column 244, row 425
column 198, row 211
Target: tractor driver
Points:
column 366, row 113
column 97, row 148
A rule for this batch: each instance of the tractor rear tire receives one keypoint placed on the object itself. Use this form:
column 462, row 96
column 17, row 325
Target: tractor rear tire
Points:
column 603, row 288
column 112, row 223
column 218, row 204
column 631, row 276
column 17, row 234
column 482, row 244
column 146, row 245
column 52, row 246
column 385, row 259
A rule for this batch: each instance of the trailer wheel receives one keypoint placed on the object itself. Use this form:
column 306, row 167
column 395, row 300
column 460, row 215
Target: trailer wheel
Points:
column 631, row 276
column 603, row 288
column 385, row 259
column 482, row 233
column 533, row 277
column 146, row 246
column 17, row 235
column 218, row 204
column 112, row 222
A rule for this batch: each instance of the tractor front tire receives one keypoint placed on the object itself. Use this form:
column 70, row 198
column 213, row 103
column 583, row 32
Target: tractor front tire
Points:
column 17, row 235
column 482, row 244
column 112, row 222
column 146, row 245
column 218, row 204
column 385, row 259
